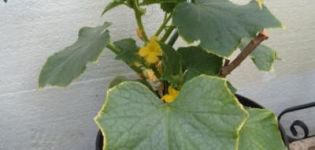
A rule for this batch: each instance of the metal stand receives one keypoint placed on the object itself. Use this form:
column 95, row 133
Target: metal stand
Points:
column 297, row 123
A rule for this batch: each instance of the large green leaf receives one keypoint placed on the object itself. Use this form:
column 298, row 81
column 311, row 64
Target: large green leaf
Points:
column 196, row 62
column 66, row 65
column 119, row 79
column 263, row 56
column 219, row 25
column 172, row 65
column 261, row 132
column 205, row 115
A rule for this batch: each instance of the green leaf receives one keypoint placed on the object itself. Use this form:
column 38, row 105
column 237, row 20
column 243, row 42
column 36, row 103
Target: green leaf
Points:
column 196, row 62
column 205, row 115
column 219, row 25
column 172, row 65
column 263, row 56
column 120, row 79
column 66, row 65
column 148, row 2
column 128, row 51
column 114, row 4
column 261, row 132
column 169, row 7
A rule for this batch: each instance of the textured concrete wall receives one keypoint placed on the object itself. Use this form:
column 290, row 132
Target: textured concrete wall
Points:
column 61, row 119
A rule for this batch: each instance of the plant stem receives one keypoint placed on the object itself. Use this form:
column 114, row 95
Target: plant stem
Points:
column 167, row 33
column 171, row 42
column 138, row 15
column 164, row 23
column 227, row 69
column 112, row 47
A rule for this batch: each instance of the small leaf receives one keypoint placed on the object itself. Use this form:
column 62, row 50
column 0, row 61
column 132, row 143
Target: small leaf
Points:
column 219, row 25
column 128, row 51
column 169, row 7
column 66, row 65
column 261, row 132
column 205, row 115
column 196, row 62
column 263, row 56
column 113, row 4
column 148, row 2
column 172, row 65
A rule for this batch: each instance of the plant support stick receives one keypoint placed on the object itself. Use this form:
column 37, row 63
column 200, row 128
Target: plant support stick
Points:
column 262, row 36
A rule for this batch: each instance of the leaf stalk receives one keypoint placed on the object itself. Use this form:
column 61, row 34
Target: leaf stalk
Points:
column 138, row 14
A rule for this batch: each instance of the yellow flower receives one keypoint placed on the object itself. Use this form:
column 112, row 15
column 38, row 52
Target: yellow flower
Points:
column 171, row 96
column 151, row 51
column 260, row 3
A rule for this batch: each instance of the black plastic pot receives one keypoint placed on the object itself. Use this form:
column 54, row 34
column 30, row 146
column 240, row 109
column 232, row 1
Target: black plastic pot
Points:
column 243, row 100
column 99, row 141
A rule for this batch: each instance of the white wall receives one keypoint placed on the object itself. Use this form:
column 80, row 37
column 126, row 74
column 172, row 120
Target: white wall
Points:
column 61, row 119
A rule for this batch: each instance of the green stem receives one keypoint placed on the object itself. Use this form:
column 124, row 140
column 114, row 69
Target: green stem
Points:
column 167, row 18
column 168, row 32
column 112, row 47
column 138, row 15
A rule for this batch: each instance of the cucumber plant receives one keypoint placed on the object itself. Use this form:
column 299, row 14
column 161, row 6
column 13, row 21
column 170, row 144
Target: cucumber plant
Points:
column 182, row 99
